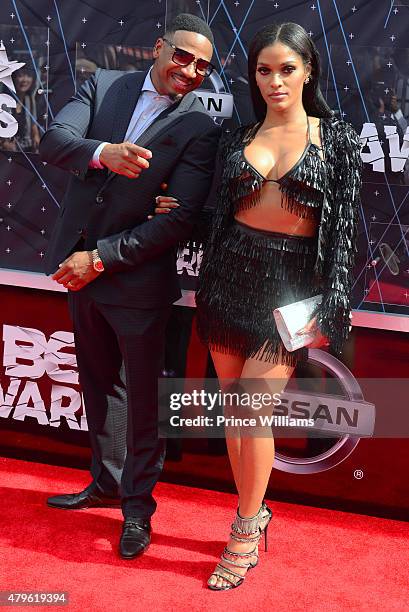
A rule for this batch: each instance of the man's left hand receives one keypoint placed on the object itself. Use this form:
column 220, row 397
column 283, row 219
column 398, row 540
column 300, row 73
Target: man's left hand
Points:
column 76, row 271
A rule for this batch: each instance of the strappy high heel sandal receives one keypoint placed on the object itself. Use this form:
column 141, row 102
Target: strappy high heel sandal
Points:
column 244, row 530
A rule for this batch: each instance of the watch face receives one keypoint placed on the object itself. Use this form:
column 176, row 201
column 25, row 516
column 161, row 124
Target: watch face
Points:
column 99, row 266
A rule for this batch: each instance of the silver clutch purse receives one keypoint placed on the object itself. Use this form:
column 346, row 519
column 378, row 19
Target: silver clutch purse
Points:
column 289, row 319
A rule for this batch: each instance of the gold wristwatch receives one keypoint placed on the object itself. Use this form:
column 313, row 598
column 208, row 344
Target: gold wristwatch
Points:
column 97, row 261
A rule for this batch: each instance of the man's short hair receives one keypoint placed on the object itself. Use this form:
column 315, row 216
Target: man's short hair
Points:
column 190, row 23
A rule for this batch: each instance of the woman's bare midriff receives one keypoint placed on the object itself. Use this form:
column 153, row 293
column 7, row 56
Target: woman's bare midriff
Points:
column 269, row 215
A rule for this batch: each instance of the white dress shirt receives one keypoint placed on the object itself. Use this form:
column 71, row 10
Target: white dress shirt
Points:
column 150, row 104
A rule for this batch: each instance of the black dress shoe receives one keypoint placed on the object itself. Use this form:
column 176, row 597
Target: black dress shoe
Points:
column 135, row 538
column 91, row 497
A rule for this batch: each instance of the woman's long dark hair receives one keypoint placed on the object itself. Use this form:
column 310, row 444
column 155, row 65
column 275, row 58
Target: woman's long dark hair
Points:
column 294, row 36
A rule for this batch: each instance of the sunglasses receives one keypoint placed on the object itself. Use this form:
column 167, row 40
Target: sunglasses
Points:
column 184, row 58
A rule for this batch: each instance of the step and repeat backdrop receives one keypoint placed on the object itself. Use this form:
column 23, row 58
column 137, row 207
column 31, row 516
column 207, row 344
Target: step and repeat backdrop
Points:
column 49, row 47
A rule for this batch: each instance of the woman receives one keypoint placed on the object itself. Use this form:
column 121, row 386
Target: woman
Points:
column 284, row 229
column 28, row 134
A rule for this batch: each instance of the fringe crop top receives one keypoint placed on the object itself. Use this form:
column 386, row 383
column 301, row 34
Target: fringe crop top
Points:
column 302, row 187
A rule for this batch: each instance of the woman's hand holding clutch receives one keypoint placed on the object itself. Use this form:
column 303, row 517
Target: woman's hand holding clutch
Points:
column 312, row 328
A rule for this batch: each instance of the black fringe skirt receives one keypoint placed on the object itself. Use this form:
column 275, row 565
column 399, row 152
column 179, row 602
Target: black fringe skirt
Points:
column 252, row 273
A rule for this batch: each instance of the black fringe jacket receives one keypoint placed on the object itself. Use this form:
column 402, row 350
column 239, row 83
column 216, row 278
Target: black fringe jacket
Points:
column 337, row 234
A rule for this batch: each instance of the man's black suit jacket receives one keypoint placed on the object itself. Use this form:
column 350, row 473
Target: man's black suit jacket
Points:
column 109, row 210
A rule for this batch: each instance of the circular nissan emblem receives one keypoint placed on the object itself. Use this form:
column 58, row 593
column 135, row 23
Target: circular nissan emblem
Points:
column 343, row 447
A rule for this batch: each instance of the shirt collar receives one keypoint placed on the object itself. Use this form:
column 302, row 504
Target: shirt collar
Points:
column 149, row 86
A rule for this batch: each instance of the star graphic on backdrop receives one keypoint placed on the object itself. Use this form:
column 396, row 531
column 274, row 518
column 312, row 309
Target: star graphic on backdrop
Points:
column 7, row 68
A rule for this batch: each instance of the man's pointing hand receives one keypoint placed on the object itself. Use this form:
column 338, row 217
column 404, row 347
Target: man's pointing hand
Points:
column 125, row 158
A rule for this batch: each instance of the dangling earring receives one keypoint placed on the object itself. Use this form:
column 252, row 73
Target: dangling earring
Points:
column 307, row 80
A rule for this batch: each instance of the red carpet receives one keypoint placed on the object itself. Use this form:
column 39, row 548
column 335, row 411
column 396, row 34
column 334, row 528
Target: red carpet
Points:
column 318, row 559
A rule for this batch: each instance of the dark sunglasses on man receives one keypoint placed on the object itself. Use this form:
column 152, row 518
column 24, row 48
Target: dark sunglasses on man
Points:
column 184, row 58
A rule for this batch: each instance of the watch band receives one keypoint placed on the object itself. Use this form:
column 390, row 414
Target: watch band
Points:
column 97, row 261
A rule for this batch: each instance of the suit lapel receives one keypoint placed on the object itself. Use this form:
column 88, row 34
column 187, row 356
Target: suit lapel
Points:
column 127, row 97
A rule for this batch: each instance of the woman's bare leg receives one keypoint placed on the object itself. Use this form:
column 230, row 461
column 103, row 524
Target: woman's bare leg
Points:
column 251, row 458
column 257, row 453
column 229, row 367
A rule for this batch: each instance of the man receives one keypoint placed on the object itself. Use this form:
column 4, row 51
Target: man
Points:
column 122, row 276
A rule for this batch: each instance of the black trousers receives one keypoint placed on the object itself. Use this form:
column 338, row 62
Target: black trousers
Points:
column 120, row 354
